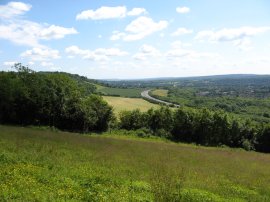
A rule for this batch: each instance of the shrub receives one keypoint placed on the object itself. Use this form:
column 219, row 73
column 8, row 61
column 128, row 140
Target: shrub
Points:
column 246, row 144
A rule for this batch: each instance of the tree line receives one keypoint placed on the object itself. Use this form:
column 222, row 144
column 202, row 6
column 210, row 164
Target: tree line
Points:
column 31, row 98
column 199, row 126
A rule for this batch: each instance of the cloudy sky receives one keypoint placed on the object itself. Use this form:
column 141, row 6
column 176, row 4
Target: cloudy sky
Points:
column 137, row 38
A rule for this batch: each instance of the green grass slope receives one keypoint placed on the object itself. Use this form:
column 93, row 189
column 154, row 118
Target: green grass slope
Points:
column 41, row 165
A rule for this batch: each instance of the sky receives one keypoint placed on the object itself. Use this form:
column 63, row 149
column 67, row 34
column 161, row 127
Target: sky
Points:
column 137, row 38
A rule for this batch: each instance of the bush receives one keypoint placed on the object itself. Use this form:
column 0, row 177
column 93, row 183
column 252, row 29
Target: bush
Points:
column 246, row 144
column 143, row 132
column 163, row 133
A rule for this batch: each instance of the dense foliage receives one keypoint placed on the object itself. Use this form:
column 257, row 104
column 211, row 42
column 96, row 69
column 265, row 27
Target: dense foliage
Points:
column 244, row 107
column 30, row 98
column 199, row 126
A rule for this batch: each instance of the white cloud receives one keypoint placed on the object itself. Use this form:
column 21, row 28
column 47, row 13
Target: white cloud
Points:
column 243, row 44
column 179, row 44
column 46, row 64
column 56, row 32
column 136, row 11
column 9, row 63
column 50, row 66
column 182, row 31
column 103, row 12
column 95, row 57
column 182, row 10
column 21, row 33
column 141, row 24
column 140, row 28
column 231, row 34
column 41, row 54
column 239, row 37
column 110, row 52
column 117, row 35
column 146, row 51
column 190, row 54
column 75, row 50
column 14, row 9
column 25, row 32
column 178, row 51
column 100, row 54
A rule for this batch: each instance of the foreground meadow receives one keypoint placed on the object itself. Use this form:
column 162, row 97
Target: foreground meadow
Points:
column 42, row 165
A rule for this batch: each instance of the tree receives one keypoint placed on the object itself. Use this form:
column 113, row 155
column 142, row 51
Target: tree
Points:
column 183, row 125
column 102, row 112
column 54, row 99
column 160, row 119
column 132, row 120
column 263, row 141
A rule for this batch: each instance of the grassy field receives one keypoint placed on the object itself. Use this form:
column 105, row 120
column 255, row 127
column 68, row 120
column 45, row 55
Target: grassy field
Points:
column 160, row 92
column 120, row 103
column 123, row 92
column 41, row 165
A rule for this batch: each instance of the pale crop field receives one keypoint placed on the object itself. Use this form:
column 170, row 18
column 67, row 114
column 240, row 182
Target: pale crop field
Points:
column 160, row 92
column 119, row 103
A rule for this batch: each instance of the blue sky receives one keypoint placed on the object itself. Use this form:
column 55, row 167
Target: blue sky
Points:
column 137, row 38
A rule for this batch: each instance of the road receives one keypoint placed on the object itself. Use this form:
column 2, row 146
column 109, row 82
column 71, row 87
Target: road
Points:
column 145, row 94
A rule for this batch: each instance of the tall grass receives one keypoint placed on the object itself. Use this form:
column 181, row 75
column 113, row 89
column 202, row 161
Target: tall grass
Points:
column 43, row 165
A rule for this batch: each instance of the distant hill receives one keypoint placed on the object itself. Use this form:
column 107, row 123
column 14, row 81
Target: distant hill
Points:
column 230, row 79
column 189, row 77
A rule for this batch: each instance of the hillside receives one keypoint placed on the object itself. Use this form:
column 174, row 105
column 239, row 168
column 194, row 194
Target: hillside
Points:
column 69, row 103
column 46, row 165
column 134, row 101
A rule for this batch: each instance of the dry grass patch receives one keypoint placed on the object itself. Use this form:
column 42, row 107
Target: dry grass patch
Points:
column 120, row 103
column 160, row 92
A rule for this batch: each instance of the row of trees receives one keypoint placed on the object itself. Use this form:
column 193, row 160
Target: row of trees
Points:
column 30, row 98
column 199, row 126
